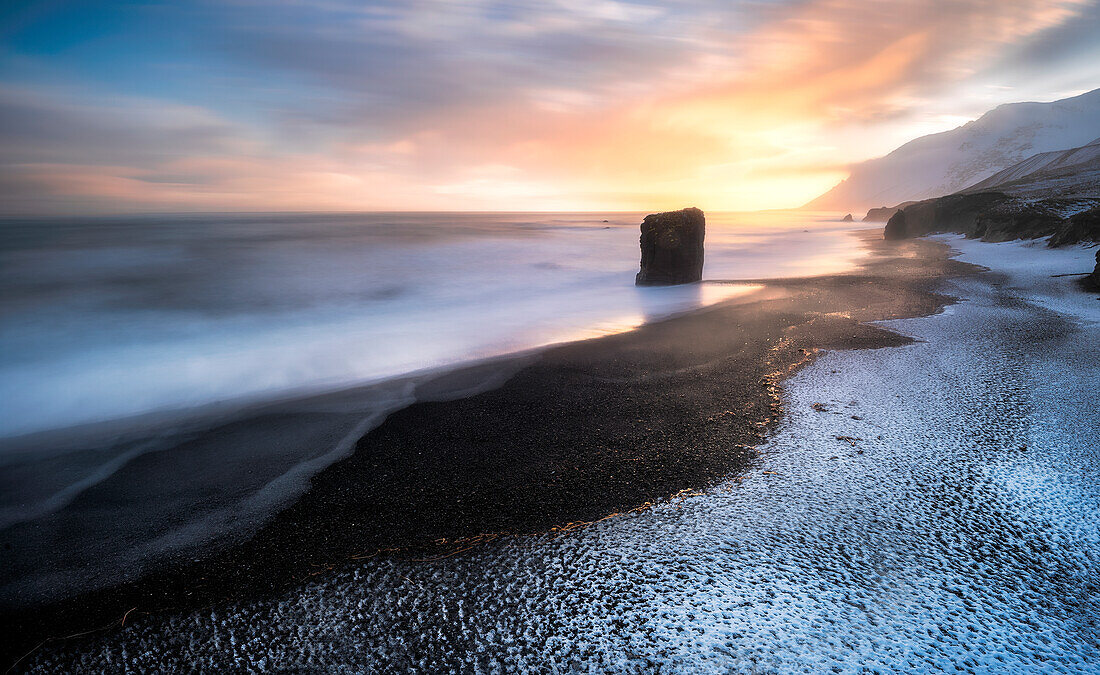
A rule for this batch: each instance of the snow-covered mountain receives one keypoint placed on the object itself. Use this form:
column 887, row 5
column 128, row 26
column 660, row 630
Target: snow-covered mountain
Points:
column 1065, row 173
column 947, row 162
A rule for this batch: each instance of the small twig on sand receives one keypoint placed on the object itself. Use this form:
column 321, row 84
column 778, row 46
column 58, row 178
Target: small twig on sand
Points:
column 368, row 556
column 120, row 622
column 457, row 551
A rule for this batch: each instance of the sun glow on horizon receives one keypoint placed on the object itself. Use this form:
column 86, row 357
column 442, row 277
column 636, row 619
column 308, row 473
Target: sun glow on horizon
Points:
column 495, row 106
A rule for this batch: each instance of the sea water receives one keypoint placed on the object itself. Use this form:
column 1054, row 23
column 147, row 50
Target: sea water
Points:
column 170, row 382
column 113, row 317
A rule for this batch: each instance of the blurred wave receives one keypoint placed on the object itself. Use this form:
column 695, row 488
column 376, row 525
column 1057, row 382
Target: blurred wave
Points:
column 114, row 317
column 168, row 383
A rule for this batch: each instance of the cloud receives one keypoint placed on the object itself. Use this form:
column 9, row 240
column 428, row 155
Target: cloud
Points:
column 38, row 126
column 396, row 63
column 594, row 104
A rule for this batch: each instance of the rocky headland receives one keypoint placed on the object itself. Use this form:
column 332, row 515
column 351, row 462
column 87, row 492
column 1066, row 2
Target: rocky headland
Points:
column 881, row 214
column 996, row 216
column 1051, row 195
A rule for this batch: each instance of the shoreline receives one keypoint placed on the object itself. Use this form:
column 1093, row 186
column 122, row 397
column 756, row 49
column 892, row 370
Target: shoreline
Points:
column 357, row 410
column 369, row 302
column 950, row 483
column 509, row 460
column 206, row 415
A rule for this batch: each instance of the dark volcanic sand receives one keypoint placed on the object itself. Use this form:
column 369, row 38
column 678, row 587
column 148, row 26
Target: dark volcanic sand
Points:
column 588, row 429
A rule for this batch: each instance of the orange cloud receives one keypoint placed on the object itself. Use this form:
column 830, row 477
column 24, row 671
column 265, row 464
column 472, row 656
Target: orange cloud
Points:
column 762, row 119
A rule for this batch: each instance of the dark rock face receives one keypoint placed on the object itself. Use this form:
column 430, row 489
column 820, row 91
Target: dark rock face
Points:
column 847, row 218
column 1092, row 281
column 672, row 248
column 994, row 216
column 1084, row 226
column 953, row 213
column 1008, row 222
column 896, row 227
column 961, row 213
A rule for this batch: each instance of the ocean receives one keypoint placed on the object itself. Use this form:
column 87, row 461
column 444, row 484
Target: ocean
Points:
column 169, row 380
column 114, row 317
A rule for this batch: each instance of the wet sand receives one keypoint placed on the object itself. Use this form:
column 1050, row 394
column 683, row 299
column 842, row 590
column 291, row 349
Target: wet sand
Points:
column 584, row 431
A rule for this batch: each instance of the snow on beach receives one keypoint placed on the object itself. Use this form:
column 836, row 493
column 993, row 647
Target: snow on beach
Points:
column 938, row 509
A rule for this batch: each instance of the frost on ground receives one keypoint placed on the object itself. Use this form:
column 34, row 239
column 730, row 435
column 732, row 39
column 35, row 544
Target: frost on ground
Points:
column 934, row 507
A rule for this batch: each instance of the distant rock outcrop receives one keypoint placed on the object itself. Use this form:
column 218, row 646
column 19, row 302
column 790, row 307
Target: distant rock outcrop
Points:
column 882, row 214
column 847, row 218
column 672, row 248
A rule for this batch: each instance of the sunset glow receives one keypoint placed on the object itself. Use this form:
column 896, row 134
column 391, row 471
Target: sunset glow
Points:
column 561, row 105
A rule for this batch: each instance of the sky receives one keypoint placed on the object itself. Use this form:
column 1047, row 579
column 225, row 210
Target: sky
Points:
column 228, row 105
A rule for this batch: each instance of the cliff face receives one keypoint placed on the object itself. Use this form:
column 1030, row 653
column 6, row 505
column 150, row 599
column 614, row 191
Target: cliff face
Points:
column 672, row 248
column 1054, row 195
column 954, row 213
column 1092, row 281
column 896, row 227
column 1011, row 221
column 994, row 216
column 1084, row 226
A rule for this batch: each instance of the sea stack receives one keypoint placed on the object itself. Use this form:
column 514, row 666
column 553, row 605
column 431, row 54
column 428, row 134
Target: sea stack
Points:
column 847, row 218
column 672, row 248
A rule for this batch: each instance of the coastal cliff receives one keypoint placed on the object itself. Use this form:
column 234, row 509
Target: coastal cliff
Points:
column 995, row 216
column 880, row 214
column 1053, row 195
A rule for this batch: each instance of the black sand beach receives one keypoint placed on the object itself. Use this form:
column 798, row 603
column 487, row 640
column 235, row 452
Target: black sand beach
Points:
column 582, row 432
